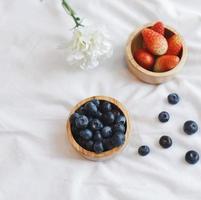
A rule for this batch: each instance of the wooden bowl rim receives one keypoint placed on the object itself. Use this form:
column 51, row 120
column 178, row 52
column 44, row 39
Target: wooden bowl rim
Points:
column 151, row 73
column 92, row 155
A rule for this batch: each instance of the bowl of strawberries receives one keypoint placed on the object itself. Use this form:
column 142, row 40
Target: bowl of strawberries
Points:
column 155, row 53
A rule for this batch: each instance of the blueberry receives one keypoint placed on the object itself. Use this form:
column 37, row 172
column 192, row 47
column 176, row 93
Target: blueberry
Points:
column 81, row 111
column 118, row 139
column 120, row 119
column 81, row 142
column 96, row 102
column 75, row 131
column 119, row 128
column 107, row 144
column 90, row 108
column 106, row 106
column 95, row 124
column 86, row 134
column 192, row 157
column 190, row 127
column 98, row 115
column 116, row 113
column 106, row 131
column 89, row 145
column 90, row 118
column 173, row 98
column 143, row 150
column 81, row 122
column 73, row 117
column 98, row 147
column 164, row 116
column 97, row 136
column 108, row 118
column 165, row 141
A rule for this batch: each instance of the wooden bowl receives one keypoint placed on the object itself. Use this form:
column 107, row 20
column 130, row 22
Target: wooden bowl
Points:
column 107, row 154
column 135, row 42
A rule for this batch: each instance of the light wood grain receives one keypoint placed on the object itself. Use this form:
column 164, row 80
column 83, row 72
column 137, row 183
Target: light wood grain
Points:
column 107, row 154
column 135, row 42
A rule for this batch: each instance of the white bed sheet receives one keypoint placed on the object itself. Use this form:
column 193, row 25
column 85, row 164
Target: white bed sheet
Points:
column 38, row 89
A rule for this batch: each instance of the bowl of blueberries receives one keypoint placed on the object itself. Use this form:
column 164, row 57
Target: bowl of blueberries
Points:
column 98, row 127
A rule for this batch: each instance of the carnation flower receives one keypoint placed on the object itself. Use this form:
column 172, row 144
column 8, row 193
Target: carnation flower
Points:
column 89, row 45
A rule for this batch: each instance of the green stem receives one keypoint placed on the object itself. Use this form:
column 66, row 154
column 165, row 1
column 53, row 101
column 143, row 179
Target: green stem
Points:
column 72, row 13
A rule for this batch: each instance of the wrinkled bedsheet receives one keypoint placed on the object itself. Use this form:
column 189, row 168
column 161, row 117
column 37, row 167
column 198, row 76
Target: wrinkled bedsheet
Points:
column 38, row 89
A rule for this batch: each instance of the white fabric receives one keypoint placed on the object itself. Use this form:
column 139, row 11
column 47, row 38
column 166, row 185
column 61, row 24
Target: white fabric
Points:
column 38, row 90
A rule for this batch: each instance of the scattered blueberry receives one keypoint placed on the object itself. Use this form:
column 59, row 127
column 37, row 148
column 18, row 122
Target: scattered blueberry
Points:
column 118, row 139
column 86, row 134
column 119, row 128
column 165, row 141
column 89, row 145
column 173, row 98
column 95, row 124
column 164, row 116
column 81, row 122
column 143, row 150
column 120, row 119
column 108, row 118
column 190, row 127
column 192, row 157
column 97, row 136
column 106, row 131
column 106, row 107
column 98, row 147
column 90, row 108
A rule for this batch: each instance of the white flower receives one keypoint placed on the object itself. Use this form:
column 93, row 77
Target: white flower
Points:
column 89, row 45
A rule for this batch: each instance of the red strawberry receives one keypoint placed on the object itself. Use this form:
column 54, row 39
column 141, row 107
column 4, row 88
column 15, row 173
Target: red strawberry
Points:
column 155, row 42
column 166, row 63
column 174, row 45
column 144, row 58
column 159, row 27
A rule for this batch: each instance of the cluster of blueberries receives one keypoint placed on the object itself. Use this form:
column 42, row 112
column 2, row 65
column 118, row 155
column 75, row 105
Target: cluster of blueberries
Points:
column 98, row 126
column 190, row 127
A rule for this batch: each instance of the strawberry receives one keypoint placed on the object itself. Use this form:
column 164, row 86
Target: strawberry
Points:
column 155, row 42
column 174, row 45
column 159, row 27
column 144, row 58
column 166, row 63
